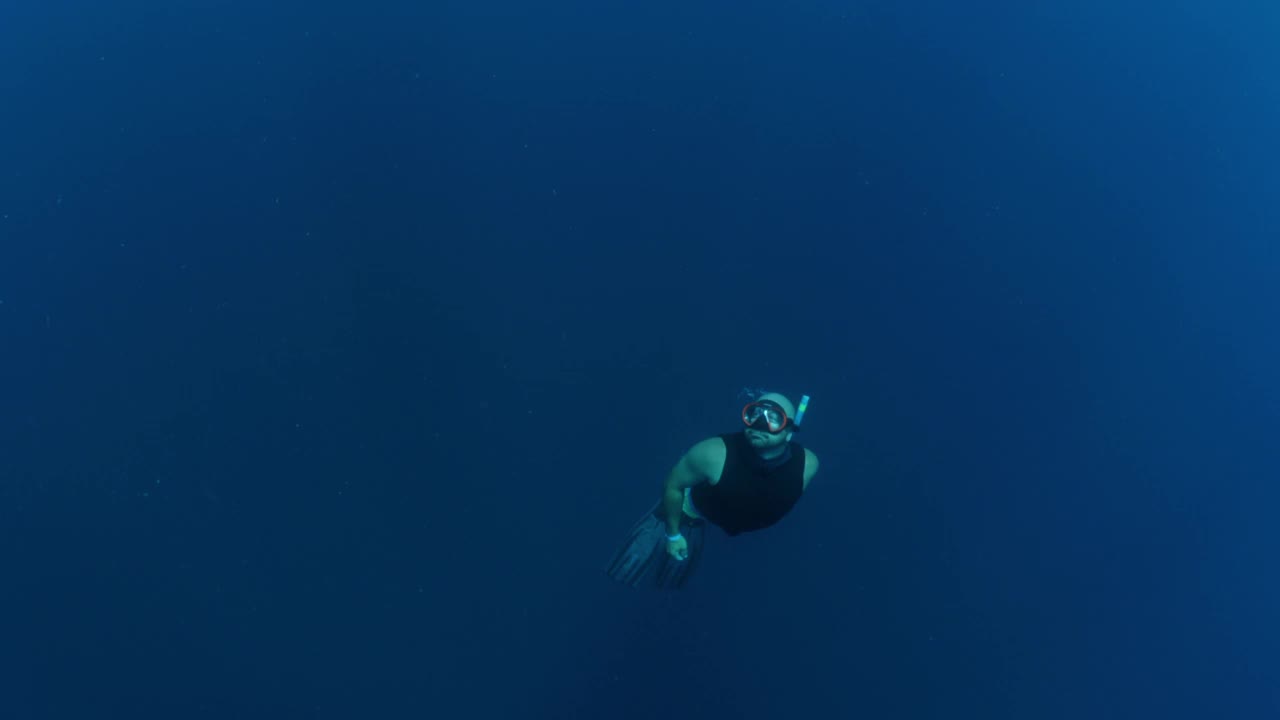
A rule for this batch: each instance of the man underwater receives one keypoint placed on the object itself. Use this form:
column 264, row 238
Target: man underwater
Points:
column 739, row 482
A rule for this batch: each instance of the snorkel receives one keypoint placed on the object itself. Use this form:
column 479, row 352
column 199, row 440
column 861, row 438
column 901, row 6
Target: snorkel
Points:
column 804, row 405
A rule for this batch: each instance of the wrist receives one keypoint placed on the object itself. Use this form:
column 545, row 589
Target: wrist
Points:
column 675, row 537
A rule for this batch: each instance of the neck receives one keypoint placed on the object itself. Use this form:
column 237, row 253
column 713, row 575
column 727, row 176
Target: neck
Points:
column 771, row 453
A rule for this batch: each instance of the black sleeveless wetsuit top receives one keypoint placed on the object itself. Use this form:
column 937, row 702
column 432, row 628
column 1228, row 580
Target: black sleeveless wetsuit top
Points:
column 753, row 493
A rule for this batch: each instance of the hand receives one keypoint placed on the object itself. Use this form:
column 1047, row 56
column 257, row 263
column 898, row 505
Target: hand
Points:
column 678, row 548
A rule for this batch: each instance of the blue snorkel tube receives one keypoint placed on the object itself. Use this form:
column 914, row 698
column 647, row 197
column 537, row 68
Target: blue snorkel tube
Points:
column 804, row 405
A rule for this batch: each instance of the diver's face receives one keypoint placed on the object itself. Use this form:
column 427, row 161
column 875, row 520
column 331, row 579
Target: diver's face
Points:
column 762, row 440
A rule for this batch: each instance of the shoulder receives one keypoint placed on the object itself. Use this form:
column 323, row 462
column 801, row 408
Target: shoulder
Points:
column 707, row 457
column 810, row 466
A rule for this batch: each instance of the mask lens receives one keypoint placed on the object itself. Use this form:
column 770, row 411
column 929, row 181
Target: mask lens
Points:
column 765, row 416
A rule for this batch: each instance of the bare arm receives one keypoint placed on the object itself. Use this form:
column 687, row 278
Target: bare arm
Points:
column 694, row 468
column 810, row 466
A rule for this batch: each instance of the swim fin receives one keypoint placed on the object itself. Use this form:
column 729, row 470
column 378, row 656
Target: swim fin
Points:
column 643, row 557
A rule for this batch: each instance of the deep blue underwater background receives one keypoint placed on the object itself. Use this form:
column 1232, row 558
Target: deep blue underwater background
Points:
column 340, row 344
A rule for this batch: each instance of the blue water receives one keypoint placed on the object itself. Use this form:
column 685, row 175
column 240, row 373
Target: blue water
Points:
column 341, row 343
